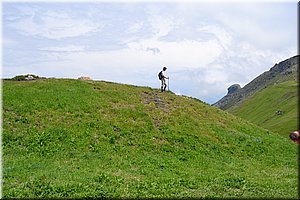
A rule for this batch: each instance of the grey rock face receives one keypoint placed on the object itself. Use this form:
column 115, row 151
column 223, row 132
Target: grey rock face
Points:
column 233, row 89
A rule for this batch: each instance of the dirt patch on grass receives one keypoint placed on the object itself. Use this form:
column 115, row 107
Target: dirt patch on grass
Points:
column 154, row 98
column 157, row 106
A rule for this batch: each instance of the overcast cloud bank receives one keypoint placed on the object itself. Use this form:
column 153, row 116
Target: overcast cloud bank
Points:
column 206, row 46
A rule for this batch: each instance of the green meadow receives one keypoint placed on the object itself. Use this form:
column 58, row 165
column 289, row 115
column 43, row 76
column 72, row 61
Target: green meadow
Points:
column 71, row 139
column 262, row 108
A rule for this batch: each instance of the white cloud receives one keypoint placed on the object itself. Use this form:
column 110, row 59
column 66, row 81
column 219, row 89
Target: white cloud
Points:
column 69, row 48
column 212, row 76
column 223, row 36
column 135, row 27
column 123, row 64
column 55, row 25
column 187, row 53
column 265, row 25
column 8, row 42
column 207, row 47
column 162, row 25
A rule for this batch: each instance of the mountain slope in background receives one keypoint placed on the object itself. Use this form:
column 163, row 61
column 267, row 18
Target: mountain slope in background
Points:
column 274, row 108
column 270, row 100
column 285, row 70
column 72, row 138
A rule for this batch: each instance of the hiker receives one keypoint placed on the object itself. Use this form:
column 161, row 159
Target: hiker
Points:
column 162, row 76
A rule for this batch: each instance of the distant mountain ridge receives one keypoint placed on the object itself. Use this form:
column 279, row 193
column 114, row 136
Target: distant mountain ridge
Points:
column 285, row 70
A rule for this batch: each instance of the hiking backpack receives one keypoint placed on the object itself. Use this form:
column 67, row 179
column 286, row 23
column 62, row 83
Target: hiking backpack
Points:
column 160, row 75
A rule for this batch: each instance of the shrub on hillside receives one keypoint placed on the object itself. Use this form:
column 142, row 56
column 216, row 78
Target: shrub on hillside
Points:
column 26, row 77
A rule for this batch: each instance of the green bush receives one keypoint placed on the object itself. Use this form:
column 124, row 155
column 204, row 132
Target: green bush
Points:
column 23, row 77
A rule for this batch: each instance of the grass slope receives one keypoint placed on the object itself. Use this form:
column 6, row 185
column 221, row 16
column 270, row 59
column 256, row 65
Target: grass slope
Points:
column 70, row 138
column 261, row 108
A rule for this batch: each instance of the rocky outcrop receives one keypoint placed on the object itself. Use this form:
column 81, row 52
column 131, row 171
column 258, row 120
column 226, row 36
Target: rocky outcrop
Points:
column 85, row 78
column 234, row 88
column 282, row 71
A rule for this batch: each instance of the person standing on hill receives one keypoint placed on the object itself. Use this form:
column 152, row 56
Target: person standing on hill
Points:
column 162, row 76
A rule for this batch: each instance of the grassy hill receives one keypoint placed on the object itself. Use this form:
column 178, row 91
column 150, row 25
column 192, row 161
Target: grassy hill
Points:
column 262, row 107
column 70, row 138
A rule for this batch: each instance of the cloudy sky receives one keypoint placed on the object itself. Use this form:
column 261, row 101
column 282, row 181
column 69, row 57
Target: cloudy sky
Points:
column 206, row 46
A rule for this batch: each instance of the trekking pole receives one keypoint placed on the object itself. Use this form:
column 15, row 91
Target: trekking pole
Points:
column 168, row 84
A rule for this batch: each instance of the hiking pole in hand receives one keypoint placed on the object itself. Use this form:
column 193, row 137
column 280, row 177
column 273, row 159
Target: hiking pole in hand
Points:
column 168, row 84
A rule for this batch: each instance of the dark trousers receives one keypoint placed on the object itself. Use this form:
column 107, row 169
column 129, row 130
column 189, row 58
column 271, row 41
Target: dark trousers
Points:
column 163, row 84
